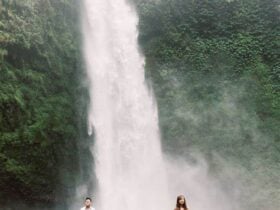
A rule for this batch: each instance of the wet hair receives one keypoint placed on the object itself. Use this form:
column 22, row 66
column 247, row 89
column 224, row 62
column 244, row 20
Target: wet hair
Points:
column 88, row 198
column 178, row 205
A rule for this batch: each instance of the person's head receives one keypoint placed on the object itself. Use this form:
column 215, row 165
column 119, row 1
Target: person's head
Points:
column 87, row 202
column 181, row 202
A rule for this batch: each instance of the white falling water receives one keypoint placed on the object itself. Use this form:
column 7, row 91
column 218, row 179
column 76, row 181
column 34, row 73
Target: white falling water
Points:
column 129, row 165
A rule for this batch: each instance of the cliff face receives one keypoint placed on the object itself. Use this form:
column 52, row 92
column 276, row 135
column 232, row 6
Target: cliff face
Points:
column 39, row 96
column 214, row 67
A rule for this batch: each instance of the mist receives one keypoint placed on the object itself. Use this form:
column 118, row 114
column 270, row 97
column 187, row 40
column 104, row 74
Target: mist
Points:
column 219, row 157
column 214, row 151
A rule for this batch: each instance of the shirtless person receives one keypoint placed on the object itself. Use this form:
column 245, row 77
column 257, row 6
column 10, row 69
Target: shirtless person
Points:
column 88, row 204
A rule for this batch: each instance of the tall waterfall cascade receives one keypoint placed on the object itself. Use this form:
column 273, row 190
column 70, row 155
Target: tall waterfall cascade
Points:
column 129, row 165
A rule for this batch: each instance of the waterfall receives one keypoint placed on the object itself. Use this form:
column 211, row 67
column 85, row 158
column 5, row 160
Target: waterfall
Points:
column 130, row 168
column 128, row 160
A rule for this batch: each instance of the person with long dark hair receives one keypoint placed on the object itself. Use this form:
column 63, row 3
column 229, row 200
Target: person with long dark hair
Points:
column 181, row 203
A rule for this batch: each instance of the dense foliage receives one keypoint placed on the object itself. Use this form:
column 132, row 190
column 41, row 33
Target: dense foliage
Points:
column 216, row 74
column 214, row 66
column 39, row 88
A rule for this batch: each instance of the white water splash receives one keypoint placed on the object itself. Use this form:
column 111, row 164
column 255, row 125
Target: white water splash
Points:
column 129, row 164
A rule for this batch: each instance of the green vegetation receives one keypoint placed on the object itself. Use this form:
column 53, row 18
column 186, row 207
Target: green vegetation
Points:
column 214, row 66
column 39, row 96
column 215, row 69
